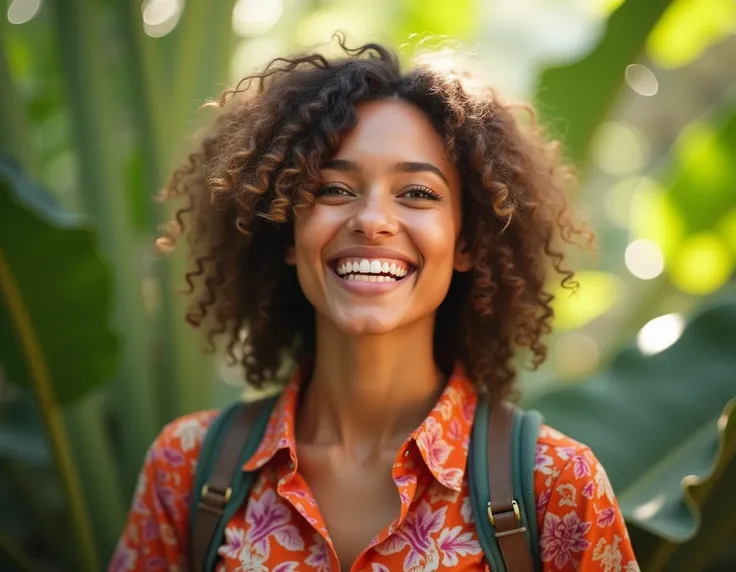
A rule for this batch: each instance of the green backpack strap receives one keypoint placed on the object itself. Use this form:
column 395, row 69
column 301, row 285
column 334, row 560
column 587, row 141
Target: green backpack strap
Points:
column 220, row 484
column 501, row 478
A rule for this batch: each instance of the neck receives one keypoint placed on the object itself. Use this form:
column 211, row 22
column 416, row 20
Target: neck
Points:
column 369, row 392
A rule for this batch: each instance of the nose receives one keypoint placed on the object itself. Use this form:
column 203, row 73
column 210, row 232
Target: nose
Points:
column 375, row 217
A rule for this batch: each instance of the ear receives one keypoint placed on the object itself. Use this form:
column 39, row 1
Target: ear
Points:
column 290, row 256
column 463, row 261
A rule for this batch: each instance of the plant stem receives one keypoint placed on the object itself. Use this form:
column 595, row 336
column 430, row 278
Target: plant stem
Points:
column 12, row 558
column 88, row 96
column 51, row 414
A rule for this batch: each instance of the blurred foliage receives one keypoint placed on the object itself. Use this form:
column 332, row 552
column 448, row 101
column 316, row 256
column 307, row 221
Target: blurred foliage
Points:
column 99, row 99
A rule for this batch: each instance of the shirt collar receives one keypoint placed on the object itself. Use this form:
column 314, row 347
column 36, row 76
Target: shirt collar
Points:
column 442, row 438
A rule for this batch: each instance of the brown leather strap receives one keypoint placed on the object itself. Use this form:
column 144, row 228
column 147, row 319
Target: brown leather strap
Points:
column 503, row 512
column 216, row 492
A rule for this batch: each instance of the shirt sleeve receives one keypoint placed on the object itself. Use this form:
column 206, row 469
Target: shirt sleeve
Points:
column 155, row 536
column 582, row 527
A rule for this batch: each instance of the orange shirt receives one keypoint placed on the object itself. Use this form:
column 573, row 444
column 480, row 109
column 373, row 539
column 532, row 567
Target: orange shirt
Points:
column 281, row 530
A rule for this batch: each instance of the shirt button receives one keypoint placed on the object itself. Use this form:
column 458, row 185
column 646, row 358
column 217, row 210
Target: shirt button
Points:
column 291, row 464
column 406, row 453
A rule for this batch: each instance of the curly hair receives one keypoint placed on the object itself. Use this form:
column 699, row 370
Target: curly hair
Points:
column 262, row 159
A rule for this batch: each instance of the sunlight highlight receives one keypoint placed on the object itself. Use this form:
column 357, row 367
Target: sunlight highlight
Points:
column 642, row 80
column 160, row 17
column 620, row 149
column 703, row 264
column 22, row 11
column 660, row 333
column 644, row 259
column 255, row 17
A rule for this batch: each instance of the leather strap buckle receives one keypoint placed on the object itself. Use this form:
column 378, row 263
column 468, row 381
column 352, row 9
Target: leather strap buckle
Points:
column 501, row 514
column 214, row 500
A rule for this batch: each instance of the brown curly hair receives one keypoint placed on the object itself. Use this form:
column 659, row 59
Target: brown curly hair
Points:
column 263, row 157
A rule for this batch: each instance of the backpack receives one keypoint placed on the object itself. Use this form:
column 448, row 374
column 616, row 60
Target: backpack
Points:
column 501, row 463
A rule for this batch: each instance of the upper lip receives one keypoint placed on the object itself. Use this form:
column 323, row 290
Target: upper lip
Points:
column 371, row 252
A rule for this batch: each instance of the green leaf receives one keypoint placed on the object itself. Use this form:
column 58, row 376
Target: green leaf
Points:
column 54, row 312
column 580, row 94
column 653, row 421
column 63, row 286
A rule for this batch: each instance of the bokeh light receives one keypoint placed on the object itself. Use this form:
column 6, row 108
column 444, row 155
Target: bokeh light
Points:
column 21, row 11
column 575, row 354
column 703, row 264
column 618, row 200
column 644, row 259
column 620, row 149
column 160, row 17
column 255, row 17
column 597, row 293
column 660, row 333
column 642, row 80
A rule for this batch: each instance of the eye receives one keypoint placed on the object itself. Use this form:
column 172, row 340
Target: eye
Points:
column 332, row 191
column 421, row 193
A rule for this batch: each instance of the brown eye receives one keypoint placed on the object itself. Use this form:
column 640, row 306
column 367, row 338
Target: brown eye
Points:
column 332, row 191
column 420, row 193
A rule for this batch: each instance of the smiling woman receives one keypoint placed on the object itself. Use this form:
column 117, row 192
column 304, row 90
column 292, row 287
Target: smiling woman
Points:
column 392, row 235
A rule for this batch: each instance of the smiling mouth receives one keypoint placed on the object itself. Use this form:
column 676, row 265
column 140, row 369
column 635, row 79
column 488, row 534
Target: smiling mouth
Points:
column 372, row 269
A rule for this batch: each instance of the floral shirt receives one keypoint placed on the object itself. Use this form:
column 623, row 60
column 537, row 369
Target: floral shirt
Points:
column 280, row 527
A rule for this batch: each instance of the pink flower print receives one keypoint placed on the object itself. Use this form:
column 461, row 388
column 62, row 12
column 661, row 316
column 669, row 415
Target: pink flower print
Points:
column 123, row 559
column 588, row 490
column 566, row 453
column 379, row 568
column 452, row 479
column 286, row 567
column 172, row 456
column 455, row 431
column 319, row 554
column 563, row 536
column 468, row 410
column 542, row 461
column 234, row 543
column 466, row 511
column 580, row 465
column 190, row 433
column 268, row 516
column 543, row 500
column 416, row 533
column 452, row 544
column 434, row 449
column 606, row 517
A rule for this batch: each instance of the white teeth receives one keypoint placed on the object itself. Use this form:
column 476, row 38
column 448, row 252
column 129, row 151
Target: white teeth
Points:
column 365, row 267
column 385, row 268
column 375, row 267
column 351, row 277
column 380, row 279
column 392, row 269
column 371, row 267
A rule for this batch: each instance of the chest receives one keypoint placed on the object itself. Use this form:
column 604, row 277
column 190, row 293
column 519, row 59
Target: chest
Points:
column 355, row 501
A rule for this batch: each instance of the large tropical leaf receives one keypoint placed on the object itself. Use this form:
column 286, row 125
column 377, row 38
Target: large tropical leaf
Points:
column 55, row 304
column 580, row 94
column 653, row 421
column 55, row 307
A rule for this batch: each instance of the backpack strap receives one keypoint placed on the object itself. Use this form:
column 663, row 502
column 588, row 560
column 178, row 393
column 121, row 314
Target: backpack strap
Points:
column 220, row 485
column 501, row 477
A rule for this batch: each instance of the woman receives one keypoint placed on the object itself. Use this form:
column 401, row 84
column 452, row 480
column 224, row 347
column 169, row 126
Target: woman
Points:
column 391, row 235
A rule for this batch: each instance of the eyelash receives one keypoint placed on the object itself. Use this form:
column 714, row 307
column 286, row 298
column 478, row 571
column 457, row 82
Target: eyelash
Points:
column 428, row 193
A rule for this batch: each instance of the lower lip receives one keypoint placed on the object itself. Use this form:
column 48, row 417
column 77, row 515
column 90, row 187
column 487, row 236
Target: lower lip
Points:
column 368, row 288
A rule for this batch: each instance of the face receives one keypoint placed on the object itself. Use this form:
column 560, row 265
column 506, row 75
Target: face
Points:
column 378, row 248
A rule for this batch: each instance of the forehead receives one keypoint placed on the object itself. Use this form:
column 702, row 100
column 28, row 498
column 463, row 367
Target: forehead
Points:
column 395, row 130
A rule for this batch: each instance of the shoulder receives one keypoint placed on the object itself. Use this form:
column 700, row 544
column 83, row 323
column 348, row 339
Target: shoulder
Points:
column 568, row 475
column 561, row 459
column 177, row 446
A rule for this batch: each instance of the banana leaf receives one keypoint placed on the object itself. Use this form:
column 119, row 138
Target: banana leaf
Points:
column 55, row 337
column 662, row 425
column 580, row 94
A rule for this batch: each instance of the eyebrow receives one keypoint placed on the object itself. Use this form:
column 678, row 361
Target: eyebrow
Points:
column 400, row 167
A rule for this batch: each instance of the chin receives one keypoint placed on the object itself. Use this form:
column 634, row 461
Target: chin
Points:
column 366, row 325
